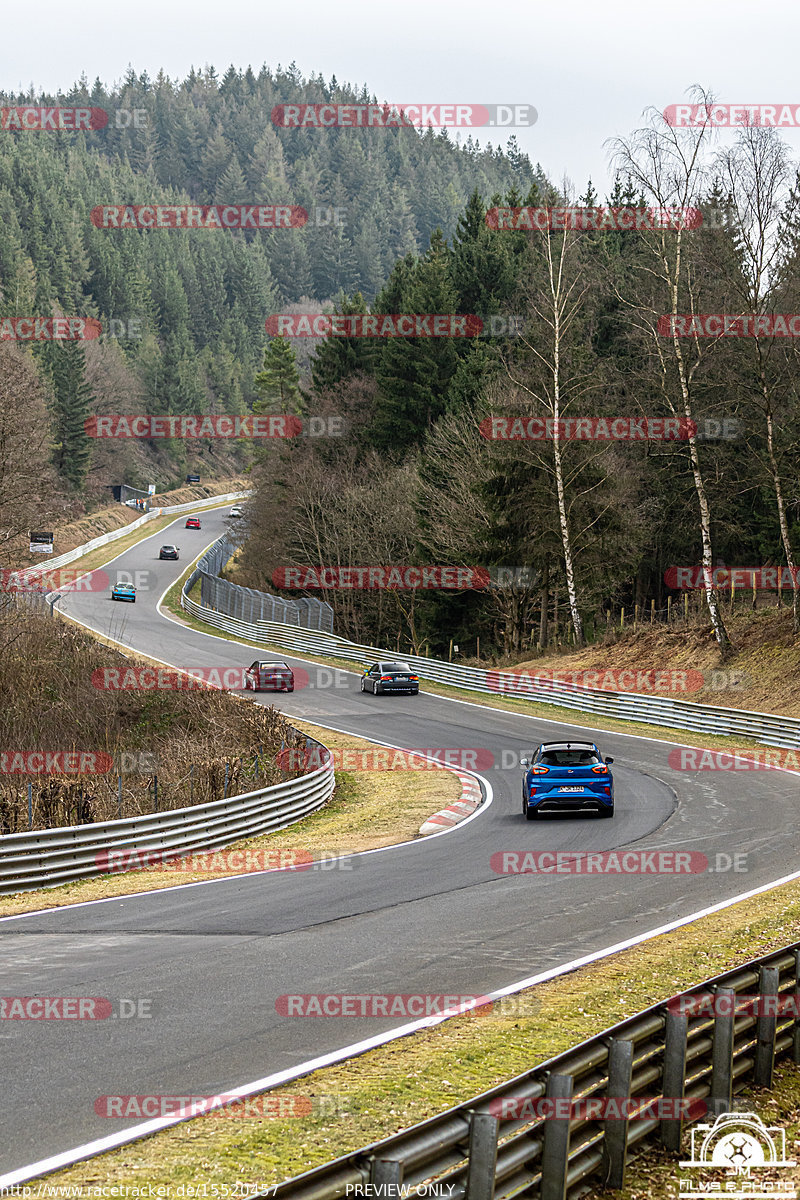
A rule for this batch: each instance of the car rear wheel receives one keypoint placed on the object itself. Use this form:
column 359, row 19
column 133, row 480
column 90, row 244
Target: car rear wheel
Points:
column 377, row 689
column 607, row 812
column 363, row 685
column 531, row 813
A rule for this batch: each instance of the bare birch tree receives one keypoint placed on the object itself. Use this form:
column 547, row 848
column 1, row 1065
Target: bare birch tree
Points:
column 668, row 166
column 757, row 174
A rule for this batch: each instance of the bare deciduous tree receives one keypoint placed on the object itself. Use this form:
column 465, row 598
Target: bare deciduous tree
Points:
column 667, row 165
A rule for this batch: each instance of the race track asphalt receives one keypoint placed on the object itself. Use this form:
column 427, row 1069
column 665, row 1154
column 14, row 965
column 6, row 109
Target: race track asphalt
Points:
column 430, row 916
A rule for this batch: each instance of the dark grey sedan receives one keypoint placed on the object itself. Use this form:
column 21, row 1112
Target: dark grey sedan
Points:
column 390, row 677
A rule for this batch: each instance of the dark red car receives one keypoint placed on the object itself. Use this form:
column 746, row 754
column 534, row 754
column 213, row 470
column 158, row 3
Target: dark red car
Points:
column 193, row 523
column 269, row 676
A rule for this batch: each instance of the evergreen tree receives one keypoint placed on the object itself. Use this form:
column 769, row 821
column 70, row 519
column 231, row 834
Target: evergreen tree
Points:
column 72, row 407
column 278, row 382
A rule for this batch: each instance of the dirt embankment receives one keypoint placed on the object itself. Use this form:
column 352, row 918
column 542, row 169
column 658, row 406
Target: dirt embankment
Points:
column 763, row 674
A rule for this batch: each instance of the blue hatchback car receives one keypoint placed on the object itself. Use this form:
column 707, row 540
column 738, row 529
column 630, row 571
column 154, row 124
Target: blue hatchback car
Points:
column 124, row 591
column 567, row 777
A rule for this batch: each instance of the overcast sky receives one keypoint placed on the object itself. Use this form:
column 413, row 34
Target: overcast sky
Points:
column 590, row 69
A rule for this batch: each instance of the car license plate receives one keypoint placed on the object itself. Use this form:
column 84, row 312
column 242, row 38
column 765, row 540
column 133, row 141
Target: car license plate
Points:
column 570, row 789
column 401, row 678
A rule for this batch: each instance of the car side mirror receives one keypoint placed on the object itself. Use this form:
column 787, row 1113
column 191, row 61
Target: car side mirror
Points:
column 609, row 760
column 524, row 762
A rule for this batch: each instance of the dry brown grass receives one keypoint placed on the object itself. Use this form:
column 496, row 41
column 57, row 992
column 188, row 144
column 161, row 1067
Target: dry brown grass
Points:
column 361, row 815
column 52, row 702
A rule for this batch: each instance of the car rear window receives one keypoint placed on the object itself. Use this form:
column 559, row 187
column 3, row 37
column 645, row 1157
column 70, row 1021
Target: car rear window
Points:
column 395, row 667
column 569, row 758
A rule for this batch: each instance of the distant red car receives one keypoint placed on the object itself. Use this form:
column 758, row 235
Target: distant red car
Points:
column 193, row 523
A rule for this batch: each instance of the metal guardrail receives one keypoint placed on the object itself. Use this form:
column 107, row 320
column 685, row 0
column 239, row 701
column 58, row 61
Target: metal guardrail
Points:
column 115, row 534
column 763, row 728
column 48, row 857
column 662, row 1052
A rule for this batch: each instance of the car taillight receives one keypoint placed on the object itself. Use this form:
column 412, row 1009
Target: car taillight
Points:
column 539, row 770
column 386, row 678
column 414, row 678
column 603, row 770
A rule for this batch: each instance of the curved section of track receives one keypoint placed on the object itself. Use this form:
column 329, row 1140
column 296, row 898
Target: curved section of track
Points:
column 430, row 916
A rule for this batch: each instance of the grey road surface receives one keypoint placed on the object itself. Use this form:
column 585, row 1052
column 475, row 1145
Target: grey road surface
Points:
column 429, row 917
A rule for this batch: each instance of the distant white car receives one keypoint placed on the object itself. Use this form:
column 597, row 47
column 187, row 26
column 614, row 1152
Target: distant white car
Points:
column 236, row 511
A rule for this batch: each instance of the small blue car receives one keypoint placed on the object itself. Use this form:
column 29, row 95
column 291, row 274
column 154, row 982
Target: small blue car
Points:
column 124, row 591
column 567, row 777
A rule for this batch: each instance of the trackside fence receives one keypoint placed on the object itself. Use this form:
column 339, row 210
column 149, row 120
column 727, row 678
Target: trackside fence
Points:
column 671, row 1052
column 49, row 857
column 247, row 604
column 762, row 728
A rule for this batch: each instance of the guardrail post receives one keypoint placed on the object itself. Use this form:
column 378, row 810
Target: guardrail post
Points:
column 555, row 1147
column 615, row 1130
column 119, row 796
column 796, row 1038
column 766, row 1024
column 722, row 1056
column 155, row 793
column 674, row 1076
column 387, row 1176
column 482, row 1156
